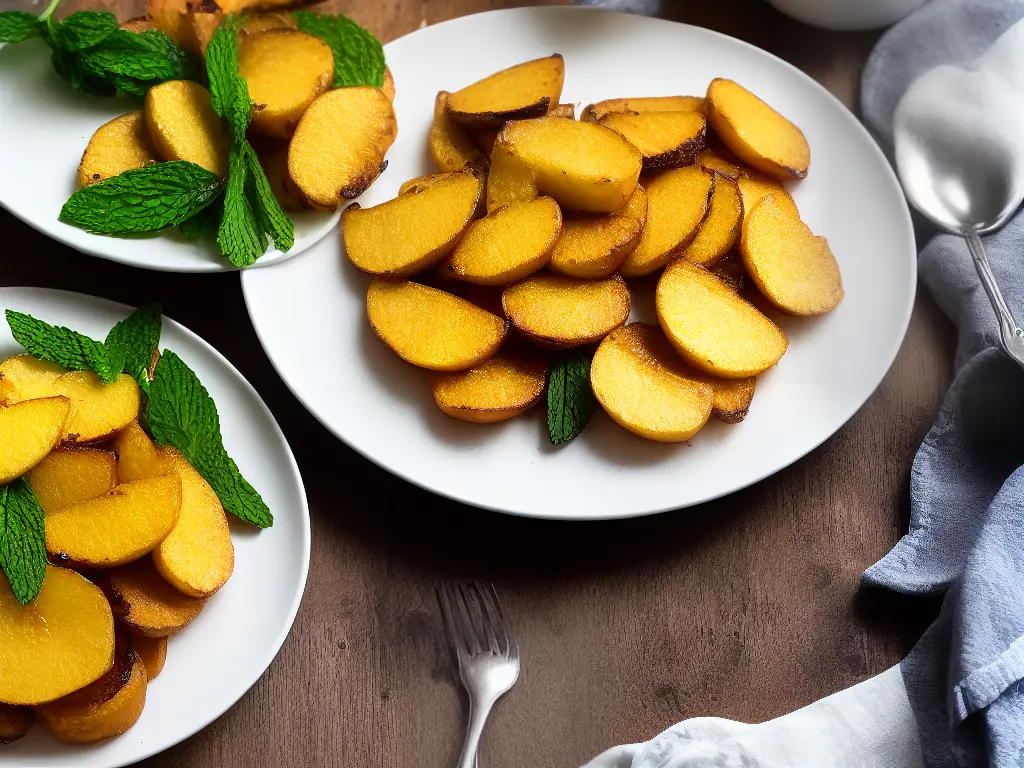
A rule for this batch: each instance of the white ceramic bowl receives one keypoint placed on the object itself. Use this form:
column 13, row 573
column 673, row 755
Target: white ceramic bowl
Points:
column 848, row 14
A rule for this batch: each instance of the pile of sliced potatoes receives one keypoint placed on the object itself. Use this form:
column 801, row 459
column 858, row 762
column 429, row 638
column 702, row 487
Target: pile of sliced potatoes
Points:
column 538, row 228
column 137, row 541
column 318, row 146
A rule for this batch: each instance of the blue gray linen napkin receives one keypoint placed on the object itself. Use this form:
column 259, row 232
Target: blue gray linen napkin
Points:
column 965, row 678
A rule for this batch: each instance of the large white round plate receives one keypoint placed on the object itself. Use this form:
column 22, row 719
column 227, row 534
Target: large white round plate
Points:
column 220, row 655
column 45, row 127
column 310, row 312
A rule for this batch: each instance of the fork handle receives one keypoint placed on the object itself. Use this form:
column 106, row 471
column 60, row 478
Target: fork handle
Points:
column 1011, row 335
column 478, row 713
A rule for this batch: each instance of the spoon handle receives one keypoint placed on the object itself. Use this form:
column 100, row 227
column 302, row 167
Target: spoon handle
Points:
column 1011, row 334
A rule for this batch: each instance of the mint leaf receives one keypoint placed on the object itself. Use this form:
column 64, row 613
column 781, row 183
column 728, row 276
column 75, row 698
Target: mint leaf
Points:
column 273, row 220
column 72, row 68
column 132, row 343
column 135, row 62
column 60, row 345
column 182, row 414
column 240, row 112
column 84, row 29
column 207, row 220
column 570, row 399
column 22, row 540
column 18, row 26
column 222, row 67
column 358, row 55
column 143, row 200
column 240, row 237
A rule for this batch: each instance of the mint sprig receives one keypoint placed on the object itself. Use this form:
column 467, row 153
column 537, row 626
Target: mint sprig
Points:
column 142, row 200
column 22, row 540
column 180, row 411
column 182, row 414
column 252, row 214
column 129, row 345
column 18, row 26
column 95, row 56
column 570, row 398
column 61, row 345
column 358, row 55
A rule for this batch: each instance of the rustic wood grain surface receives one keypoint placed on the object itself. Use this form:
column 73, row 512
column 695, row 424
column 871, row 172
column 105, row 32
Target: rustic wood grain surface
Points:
column 744, row 608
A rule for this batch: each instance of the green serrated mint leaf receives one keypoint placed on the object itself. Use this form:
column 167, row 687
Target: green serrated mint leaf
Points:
column 71, row 67
column 136, row 61
column 60, row 345
column 182, row 414
column 82, row 30
column 240, row 111
column 18, row 26
column 132, row 343
column 240, row 237
column 222, row 67
column 358, row 55
column 22, row 540
column 273, row 219
column 144, row 199
column 570, row 399
column 205, row 222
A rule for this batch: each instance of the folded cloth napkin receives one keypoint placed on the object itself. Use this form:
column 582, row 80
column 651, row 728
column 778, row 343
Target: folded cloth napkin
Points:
column 958, row 698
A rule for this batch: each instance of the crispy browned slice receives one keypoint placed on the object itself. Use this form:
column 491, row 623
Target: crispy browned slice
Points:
column 103, row 709
column 593, row 246
column 497, row 389
column 753, row 188
column 523, row 91
column 152, row 651
column 721, row 229
column 450, row 144
column 677, row 203
column 733, row 398
column 568, row 111
column 562, row 312
column 389, row 84
column 147, row 604
column 431, row 328
column 423, row 183
column 790, row 265
column 585, row 167
column 730, row 270
column 237, row 6
column 712, row 328
column 14, row 722
column 760, row 136
column 413, row 231
column 512, row 243
column 339, row 145
column 98, row 410
column 204, row 24
column 509, row 180
column 642, row 383
column 665, row 139
column 593, row 113
column 712, row 160
column 284, row 91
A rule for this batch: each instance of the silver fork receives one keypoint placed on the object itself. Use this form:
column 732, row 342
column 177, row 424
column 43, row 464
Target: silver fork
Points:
column 487, row 652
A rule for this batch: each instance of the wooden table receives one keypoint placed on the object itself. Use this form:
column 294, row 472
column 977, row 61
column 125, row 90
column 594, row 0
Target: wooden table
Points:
column 744, row 608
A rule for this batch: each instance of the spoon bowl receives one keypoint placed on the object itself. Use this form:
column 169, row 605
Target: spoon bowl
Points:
column 960, row 158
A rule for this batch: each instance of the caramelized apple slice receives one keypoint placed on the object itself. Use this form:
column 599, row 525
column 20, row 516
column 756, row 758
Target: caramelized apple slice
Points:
column 28, row 431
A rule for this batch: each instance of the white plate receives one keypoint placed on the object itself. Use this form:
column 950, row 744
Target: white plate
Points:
column 45, row 127
column 310, row 312
column 221, row 654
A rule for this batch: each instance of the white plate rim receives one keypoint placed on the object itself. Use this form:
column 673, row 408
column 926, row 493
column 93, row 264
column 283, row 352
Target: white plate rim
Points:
column 292, row 469
column 889, row 357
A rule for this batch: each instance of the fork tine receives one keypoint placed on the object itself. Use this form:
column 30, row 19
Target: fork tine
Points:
column 510, row 639
column 444, row 602
column 469, row 632
column 490, row 619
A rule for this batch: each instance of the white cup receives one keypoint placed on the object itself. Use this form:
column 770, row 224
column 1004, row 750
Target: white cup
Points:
column 848, row 14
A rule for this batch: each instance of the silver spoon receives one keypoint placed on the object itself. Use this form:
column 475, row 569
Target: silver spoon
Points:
column 963, row 173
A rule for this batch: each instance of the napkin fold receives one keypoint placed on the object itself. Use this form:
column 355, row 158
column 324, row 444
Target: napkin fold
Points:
column 957, row 700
